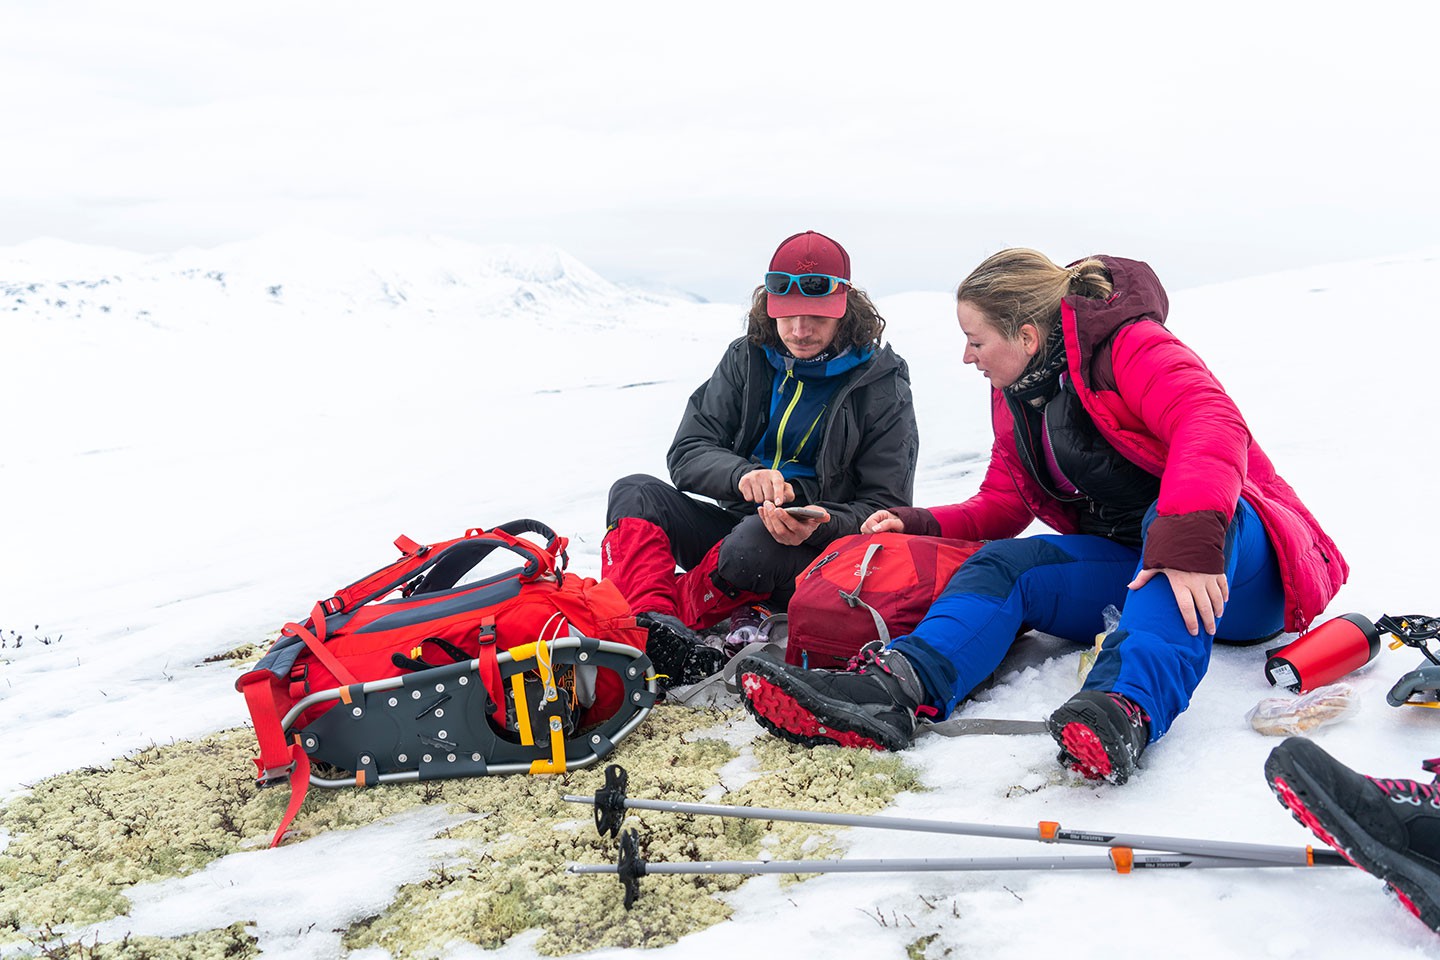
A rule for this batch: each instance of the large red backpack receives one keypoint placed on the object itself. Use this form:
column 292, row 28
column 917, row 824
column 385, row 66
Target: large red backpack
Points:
column 440, row 676
column 867, row 587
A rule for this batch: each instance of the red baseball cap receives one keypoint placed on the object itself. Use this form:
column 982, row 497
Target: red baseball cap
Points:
column 809, row 252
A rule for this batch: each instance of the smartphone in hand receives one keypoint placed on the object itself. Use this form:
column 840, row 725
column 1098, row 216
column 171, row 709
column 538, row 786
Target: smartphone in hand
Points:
column 806, row 513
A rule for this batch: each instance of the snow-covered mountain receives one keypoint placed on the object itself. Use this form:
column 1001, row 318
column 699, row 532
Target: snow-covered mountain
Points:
column 310, row 274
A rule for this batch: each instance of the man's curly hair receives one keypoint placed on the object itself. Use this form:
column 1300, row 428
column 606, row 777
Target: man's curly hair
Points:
column 860, row 327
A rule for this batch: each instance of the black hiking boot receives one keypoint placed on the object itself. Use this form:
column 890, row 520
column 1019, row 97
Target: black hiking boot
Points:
column 1101, row 734
column 679, row 655
column 1389, row 828
column 871, row 703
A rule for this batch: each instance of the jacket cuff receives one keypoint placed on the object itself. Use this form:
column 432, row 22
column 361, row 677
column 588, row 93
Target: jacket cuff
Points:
column 918, row 521
column 1193, row 542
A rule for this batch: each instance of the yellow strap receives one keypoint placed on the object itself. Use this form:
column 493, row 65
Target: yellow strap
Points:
column 556, row 763
column 522, row 709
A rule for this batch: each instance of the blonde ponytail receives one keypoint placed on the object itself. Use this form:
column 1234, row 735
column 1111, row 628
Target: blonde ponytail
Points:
column 1019, row 286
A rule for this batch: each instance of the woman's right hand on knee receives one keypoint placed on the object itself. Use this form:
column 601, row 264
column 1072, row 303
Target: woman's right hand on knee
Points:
column 1201, row 597
column 882, row 521
column 761, row 485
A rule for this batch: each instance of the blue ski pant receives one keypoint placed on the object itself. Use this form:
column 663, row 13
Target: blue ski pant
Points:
column 1060, row 584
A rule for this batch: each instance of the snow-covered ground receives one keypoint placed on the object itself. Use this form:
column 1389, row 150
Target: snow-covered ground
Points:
column 197, row 446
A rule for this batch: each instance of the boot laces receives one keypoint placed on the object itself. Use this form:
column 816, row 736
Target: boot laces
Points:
column 1410, row 791
column 1133, row 711
column 874, row 657
column 870, row 655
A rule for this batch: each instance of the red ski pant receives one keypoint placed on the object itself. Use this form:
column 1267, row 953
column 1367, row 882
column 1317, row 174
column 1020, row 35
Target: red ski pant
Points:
column 729, row 559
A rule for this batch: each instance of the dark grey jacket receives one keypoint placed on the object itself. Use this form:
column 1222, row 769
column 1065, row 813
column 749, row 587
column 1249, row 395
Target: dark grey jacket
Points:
column 866, row 460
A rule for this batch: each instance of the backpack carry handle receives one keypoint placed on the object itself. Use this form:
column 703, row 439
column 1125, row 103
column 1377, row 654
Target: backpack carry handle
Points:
column 554, row 543
column 508, row 535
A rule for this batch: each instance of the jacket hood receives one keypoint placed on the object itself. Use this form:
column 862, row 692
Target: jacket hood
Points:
column 1138, row 295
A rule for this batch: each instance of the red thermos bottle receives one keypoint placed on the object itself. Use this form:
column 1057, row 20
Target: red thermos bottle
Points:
column 1323, row 654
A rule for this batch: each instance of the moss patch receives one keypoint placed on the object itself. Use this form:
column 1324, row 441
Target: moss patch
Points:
column 81, row 840
column 245, row 655
column 514, row 879
column 231, row 943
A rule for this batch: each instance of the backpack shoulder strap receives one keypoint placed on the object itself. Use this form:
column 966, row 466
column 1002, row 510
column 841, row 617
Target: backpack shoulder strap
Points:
column 853, row 597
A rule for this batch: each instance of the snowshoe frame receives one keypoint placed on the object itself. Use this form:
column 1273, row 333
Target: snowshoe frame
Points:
column 433, row 724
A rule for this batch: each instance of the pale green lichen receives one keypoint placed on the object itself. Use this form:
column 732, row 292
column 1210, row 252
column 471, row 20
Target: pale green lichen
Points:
column 242, row 657
column 518, row 882
column 231, row 943
column 513, row 877
column 81, row 840
column 918, row 949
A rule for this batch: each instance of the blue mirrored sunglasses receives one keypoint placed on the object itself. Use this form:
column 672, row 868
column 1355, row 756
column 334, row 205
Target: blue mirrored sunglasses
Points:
column 810, row 284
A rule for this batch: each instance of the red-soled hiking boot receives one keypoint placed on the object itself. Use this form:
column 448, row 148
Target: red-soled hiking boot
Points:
column 1101, row 734
column 871, row 703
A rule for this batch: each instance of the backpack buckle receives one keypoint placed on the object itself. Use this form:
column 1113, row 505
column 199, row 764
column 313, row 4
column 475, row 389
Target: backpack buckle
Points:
column 274, row 776
column 410, row 548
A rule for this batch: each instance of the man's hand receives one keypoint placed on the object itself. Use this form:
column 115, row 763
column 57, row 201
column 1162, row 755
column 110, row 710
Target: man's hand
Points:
column 759, row 486
column 791, row 531
column 1204, row 594
column 882, row 521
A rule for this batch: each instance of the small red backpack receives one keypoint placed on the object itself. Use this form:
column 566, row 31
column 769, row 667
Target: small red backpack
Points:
column 867, row 587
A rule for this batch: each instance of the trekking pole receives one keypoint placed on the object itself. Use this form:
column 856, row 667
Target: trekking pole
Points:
column 630, row 867
column 611, row 803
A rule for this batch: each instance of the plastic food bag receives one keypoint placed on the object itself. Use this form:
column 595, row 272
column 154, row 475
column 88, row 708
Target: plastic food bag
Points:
column 1111, row 616
column 1293, row 716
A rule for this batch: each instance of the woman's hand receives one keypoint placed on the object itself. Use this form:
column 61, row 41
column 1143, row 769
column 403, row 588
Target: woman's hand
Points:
column 1204, row 594
column 761, row 485
column 789, row 530
column 882, row 521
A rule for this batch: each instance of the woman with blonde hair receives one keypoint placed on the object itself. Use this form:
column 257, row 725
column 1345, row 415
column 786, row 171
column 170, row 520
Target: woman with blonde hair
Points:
column 1114, row 433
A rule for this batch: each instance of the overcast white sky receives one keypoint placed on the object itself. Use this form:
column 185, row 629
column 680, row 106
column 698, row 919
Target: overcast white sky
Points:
column 677, row 143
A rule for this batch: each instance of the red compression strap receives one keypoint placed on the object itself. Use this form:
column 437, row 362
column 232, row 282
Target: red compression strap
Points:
column 316, row 643
column 299, row 784
column 490, row 669
column 266, row 711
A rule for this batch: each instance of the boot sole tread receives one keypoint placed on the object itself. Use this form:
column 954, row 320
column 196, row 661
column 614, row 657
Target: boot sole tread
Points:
column 1409, row 881
column 1090, row 744
column 813, row 721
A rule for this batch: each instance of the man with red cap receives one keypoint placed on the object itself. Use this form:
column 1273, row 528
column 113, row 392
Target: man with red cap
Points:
column 808, row 409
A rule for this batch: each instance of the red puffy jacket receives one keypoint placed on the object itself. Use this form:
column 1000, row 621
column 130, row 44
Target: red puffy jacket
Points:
column 1162, row 409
